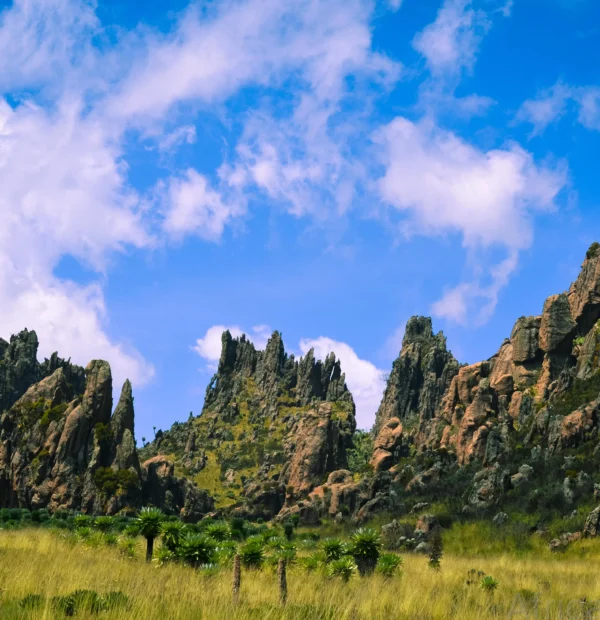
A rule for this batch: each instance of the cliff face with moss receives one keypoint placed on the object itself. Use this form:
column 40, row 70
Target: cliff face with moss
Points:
column 518, row 431
column 63, row 447
column 272, row 428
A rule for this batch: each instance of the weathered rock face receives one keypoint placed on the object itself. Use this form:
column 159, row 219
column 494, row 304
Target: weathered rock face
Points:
column 420, row 376
column 539, row 396
column 61, row 447
column 176, row 496
column 272, row 427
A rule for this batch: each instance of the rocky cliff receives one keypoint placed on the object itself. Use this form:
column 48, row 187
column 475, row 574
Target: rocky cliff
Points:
column 521, row 428
column 62, row 446
column 272, row 428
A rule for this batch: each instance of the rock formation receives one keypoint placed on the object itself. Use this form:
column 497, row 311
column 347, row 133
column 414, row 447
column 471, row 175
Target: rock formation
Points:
column 272, row 428
column 61, row 447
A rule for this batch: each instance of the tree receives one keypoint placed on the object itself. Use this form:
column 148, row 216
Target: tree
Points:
column 365, row 548
column 359, row 456
column 172, row 533
column 149, row 523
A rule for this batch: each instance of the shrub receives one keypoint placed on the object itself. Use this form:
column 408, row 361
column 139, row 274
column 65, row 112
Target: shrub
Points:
column 436, row 549
column 163, row 556
column 489, row 584
column 388, row 564
column 252, row 554
column 343, row 568
column 238, row 528
column 218, row 531
column 314, row 561
column 288, row 530
column 365, row 547
column 31, row 601
column 104, row 524
column 127, row 547
column 196, row 549
column 593, row 251
column 171, row 534
column 334, row 549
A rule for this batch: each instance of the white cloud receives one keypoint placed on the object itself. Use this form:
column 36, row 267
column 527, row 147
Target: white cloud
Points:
column 364, row 379
column 63, row 192
column 548, row 107
column 186, row 134
column 588, row 99
column 469, row 299
column 209, row 346
column 551, row 105
column 450, row 44
column 395, row 4
column 443, row 185
column 193, row 207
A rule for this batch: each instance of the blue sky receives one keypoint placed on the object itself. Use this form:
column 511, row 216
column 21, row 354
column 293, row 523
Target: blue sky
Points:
column 327, row 168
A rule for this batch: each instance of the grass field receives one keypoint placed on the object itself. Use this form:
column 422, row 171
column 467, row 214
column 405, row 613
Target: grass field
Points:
column 532, row 584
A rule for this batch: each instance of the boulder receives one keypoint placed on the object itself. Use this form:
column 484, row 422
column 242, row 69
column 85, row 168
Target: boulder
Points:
column 557, row 326
column 592, row 524
column 386, row 445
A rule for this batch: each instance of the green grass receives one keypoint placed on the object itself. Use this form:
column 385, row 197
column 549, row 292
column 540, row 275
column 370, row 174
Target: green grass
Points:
column 41, row 564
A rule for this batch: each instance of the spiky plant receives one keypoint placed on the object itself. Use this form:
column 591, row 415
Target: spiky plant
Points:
column 197, row 549
column 218, row 531
column 163, row 556
column 149, row 523
column 365, row 546
column 252, row 554
column 238, row 528
column 344, row 568
column 388, row 564
column 333, row 548
column 104, row 524
column 436, row 550
column 489, row 584
column 314, row 561
column 288, row 530
column 171, row 534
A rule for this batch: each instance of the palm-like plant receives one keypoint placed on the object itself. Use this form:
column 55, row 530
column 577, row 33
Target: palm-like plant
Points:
column 388, row 564
column 365, row 546
column 196, row 550
column 489, row 584
column 149, row 523
column 334, row 549
column 171, row 534
column 104, row 524
column 218, row 531
column 343, row 568
column 252, row 554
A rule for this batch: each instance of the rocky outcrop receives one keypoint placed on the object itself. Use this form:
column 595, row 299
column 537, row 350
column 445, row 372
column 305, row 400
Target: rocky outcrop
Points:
column 539, row 394
column 272, row 428
column 176, row 496
column 62, row 447
column 420, row 376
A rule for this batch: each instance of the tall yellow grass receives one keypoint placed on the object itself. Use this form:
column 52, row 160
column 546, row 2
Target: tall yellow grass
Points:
column 41, row 562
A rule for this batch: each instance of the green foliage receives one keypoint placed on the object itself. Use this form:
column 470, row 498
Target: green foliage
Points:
column 172, row 533
column 365, row 546
column 88, row 601
column 344, row 568
column 436, row 549
column 238, row 528
column 218, row 531
column 53, row 414
column 489, row 584
column 334, row 549
column 149, row 522
column 112, row 482
column 314, row 561
column 127, row 547
column 359, row 456
column 104, row 524
column 593, row 251
column 103, row 434
column 388, row 564
column 252, row 554
column 163, row 556
column 578, row 341
column 196, row 549
column 581, row 393
column 288, row 530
